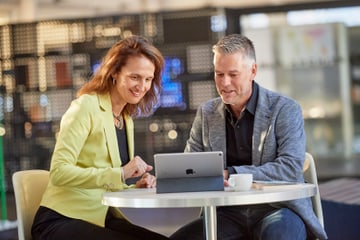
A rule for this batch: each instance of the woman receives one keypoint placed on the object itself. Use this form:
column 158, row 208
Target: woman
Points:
column 94, row 152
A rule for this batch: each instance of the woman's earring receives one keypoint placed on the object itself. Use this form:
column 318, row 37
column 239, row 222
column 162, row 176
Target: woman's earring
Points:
column 114, row 81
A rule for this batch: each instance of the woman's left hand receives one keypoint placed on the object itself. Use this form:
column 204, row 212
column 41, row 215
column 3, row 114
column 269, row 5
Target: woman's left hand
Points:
column 146, row 181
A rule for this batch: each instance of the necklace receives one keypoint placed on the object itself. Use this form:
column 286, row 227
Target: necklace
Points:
column 119, row 121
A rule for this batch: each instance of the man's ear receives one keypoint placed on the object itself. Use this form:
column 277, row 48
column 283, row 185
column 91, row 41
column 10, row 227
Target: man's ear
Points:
column 254, row 69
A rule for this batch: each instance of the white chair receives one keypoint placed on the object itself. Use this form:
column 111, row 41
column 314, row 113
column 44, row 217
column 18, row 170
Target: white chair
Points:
column 310, row 176
column 29, row 186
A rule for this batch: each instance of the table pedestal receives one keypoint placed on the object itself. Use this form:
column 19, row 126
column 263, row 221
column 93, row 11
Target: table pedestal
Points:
column 210, row 223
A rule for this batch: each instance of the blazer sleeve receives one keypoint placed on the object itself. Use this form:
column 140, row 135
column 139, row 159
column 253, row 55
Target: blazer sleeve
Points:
column 81, row 155
column 280, row 152
column 195, row 142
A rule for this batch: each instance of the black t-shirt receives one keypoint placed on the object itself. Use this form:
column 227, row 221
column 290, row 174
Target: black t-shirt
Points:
column 239, row 133
column 123, row 145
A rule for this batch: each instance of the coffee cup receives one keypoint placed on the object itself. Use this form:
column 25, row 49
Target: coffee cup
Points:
column 240, row 181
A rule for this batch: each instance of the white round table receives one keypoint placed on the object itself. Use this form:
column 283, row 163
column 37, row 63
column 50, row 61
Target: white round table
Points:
column 148, row 198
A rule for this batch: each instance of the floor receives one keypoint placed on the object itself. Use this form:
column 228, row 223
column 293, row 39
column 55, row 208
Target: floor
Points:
column 8, row 230
column 327, row 170
column 340, row 201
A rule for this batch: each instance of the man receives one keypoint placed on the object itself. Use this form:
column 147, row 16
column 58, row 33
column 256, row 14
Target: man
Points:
column 260, row 132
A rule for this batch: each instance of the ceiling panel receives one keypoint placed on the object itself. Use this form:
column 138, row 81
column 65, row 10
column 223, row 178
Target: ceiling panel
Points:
column 33, row 10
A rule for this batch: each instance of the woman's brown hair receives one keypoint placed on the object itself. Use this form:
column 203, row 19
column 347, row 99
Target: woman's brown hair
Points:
column 115, row 59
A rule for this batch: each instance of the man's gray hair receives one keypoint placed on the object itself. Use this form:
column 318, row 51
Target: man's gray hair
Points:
column 236, row 43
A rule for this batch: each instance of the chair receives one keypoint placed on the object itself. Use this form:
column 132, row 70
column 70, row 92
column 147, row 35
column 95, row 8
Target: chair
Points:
column 310, row 176
column 29, row 186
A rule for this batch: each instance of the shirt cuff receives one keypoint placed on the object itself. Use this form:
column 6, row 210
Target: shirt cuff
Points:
column 231, row 170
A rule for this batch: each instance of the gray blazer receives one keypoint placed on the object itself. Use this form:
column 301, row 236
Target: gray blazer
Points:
column 278, row 149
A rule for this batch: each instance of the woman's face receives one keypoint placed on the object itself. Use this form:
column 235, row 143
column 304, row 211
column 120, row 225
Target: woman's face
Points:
column 134, row 80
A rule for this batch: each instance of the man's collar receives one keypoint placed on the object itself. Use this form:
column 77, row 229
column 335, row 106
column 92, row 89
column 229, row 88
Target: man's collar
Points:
column 251, row 104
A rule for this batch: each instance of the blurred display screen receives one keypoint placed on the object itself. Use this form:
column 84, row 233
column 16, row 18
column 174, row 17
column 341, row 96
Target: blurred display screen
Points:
column 172, row 90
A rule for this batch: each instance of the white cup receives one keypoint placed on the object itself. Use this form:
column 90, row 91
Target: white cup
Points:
column 241, row 181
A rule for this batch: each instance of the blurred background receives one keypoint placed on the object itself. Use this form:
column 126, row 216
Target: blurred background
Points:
column 308, row 50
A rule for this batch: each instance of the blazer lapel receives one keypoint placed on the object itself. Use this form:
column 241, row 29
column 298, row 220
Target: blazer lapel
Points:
column 261, row 125
column 130, row 135
column 109, row 129
column 217, row 131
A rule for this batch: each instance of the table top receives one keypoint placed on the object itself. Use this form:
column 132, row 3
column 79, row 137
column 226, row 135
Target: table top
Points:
column 148, row 198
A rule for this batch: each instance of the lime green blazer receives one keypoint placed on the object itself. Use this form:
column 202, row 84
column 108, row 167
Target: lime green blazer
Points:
column 86, row 160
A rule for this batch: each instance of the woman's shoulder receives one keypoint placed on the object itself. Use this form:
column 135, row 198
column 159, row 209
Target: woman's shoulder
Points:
column 85, row 102
column 91, row 99
column 87, row 98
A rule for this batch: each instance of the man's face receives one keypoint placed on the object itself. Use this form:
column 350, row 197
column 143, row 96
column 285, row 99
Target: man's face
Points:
column 233, row 78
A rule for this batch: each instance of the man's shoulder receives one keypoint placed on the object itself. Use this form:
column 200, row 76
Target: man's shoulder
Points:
column 211, row 104
column 271, row 96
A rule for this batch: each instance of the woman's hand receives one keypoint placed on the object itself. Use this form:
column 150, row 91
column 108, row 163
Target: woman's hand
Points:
column 136, row 168
column 146, row 181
